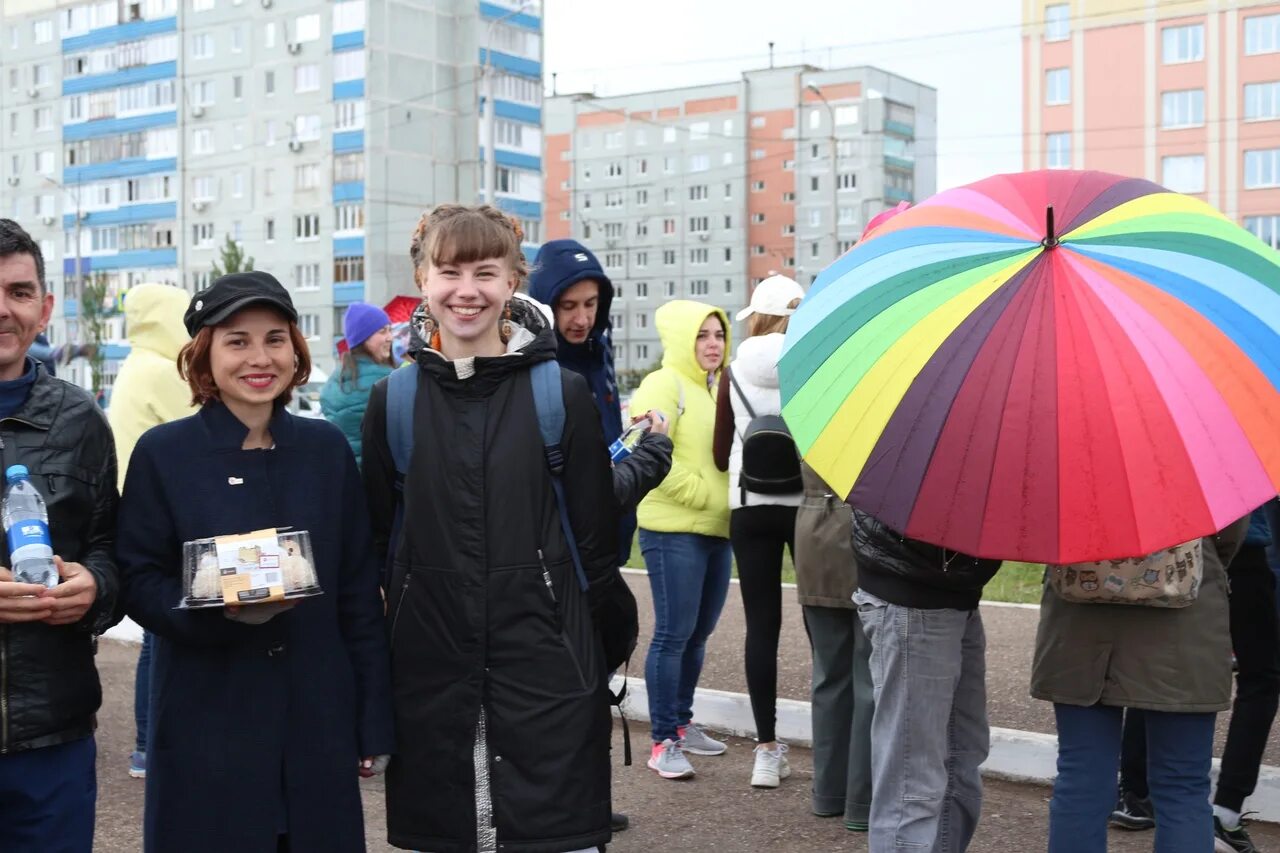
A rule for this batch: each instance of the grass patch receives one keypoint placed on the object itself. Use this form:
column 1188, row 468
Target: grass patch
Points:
column 1018, row 583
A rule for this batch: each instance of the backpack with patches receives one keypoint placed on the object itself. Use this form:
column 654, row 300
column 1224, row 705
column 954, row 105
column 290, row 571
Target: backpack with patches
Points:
column 770, row 459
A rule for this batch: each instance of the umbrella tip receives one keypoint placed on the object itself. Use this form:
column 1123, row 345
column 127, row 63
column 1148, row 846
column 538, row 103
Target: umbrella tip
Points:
column 1051, row 237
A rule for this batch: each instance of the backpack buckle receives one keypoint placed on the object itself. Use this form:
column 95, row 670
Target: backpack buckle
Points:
column 555, row 459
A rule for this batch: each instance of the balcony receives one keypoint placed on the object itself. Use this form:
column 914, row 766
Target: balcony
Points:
column 344, row 293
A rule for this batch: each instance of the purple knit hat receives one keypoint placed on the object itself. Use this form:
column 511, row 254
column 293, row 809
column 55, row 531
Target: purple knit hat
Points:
column 361, row 321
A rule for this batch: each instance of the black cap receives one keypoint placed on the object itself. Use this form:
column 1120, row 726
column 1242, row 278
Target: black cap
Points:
column 232, row 292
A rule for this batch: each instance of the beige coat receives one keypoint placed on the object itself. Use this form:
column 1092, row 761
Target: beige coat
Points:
column 826, row 573
column 1142, row 657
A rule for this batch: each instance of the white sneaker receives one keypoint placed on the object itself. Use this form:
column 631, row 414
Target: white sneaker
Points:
column 771, row 767
column 695, row 740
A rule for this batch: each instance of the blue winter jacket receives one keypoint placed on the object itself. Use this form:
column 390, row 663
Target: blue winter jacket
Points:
column 343, row 403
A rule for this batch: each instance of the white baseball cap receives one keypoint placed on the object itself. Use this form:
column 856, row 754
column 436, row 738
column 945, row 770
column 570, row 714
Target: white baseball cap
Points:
column 772, row 296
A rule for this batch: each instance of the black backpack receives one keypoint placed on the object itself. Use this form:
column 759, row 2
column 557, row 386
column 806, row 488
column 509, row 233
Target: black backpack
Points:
column 770, row 460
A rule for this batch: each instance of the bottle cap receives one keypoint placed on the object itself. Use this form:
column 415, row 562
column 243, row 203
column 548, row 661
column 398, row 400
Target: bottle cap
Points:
column 16, row 472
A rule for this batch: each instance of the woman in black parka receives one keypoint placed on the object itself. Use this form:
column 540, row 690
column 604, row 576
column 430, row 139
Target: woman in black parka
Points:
column 263, row 718
column 498, row 674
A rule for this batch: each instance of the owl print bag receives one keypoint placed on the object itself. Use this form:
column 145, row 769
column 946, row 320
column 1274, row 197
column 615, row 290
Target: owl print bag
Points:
column 1168, row 578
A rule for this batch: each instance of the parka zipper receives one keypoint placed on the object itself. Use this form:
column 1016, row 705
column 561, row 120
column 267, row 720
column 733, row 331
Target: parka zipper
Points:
column 395, row 618
column 555, row 606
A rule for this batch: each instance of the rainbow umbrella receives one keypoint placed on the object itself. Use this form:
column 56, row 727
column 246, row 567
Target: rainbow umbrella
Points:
column 1052, row 366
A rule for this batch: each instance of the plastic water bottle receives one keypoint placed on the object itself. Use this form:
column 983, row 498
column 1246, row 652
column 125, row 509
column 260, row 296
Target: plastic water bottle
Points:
column 623, row 445
column 26, row 524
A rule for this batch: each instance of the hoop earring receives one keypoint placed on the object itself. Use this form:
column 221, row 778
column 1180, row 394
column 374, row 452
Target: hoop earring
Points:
column 504, row 331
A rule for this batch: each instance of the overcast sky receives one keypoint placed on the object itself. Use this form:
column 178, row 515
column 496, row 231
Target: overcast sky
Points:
column 970, row 52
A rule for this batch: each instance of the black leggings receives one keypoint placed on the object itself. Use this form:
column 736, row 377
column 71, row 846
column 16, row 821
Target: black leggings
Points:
column 758, row 534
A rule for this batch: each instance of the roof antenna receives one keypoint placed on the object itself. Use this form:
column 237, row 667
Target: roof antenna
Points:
column 1051, row 237
column 770, row 54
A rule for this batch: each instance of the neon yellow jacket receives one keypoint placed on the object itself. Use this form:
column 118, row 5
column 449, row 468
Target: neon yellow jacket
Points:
column 148, row 390
column 694, row 498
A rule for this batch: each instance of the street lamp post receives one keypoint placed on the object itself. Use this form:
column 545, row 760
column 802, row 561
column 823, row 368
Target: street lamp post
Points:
column 490, row 125
column 835, row 205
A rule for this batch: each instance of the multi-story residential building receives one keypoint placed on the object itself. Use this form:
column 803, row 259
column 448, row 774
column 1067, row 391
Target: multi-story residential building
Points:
column 314, row 134
column 1185, row 94
column 701, row 192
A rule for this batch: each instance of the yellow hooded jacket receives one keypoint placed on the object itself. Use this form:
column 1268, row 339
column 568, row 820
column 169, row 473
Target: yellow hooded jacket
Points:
column 694, row 498
column 148, row 390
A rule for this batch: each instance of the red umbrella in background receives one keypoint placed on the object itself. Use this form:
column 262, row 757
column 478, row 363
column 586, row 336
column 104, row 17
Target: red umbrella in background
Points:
column 399, row 310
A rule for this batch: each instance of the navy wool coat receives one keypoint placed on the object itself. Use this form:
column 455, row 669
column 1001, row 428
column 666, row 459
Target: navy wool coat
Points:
column 255, row 730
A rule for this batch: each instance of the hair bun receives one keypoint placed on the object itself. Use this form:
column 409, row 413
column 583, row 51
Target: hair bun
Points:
column 515, row 226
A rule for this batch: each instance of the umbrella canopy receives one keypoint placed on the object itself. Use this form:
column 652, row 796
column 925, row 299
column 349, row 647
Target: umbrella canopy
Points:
column 978, row 377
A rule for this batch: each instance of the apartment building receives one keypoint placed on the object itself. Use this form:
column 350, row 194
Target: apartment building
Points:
column 701, row 192
column 140, row 134
column 1186, row 94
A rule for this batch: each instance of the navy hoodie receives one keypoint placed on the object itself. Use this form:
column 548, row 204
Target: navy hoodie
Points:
column 560, row 265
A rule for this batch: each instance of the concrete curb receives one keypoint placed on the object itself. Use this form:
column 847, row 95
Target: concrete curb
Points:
column 1015, row 755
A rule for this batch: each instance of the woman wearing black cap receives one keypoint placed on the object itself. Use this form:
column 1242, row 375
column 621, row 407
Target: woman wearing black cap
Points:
column 263, row 717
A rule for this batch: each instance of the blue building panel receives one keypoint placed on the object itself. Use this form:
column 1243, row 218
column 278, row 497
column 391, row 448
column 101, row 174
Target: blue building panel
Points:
column 348, row 191
column 347, row 292
column 141, row 258
column 493, row 12
column 895, row 194
column 71, row 307
column 125, row 215
column 521, row 208
column 530, row 252
column 116, row 126
column 348, row 90
column 130, row 168
column 517, row 112
column 121, row 32
column 348, row 247
column 515, row 160
column 514, row 64
column 348, row 41
column 115, row 352
column 900, row 129
column 348, row 141
column 127, row 77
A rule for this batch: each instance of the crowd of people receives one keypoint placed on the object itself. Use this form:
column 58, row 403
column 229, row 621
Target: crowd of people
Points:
column 469, row 512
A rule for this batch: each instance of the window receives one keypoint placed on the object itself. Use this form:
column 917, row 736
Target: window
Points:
column 848, row 216
column 614, row 259
column 757, row 250
column 699, row 130
column 44, row 162
column 1261, row 34
column 202, row 142
column 642, row 320
column 814, row 249
column 348, row 217
column 348, row 17
column 306, row 28
column 1262, row 168
column 642, row 137
column 669, row 289
column 202, row 235
column 306, row 176
column 42, row 31
column 642, row 197
column 699, row 163
column 699, row 224
column 728, row 254
column 237, row 184
column 815, row 217
column 40, row 76
column 43, row 118
column 310, row 326
column 615, row 168
column 269, row 229
column 613, row 139
column 757, row 122
column 348, row 115
column 698, row 192
column 815, row 183
column 201, row 5
column 642, row 167
column 1058, row 151
column 202, row 46
column 268, row 182
column 1057, row 22
column 306, row 227
column 642, row 259
column 1182, row 44
column 269, row 83
column 846, row 181
column 1183, row 174
column 669, row 257
column 726, row 129
column 203, row 188
column 757, row 218
column 642, row 352
column 1262, row 101
column 789, row 229
column 668, row 226
column 614, row 199
column 728, row 191
column 237, row 39
column 642, row 290
column 613, row 230
column 269, row 34
column 348, row 269
column 668, row 134
column 306, row 128
column 698, row 257
column 728, row 220
column 815, row 119
column 1057, row 86
column 237, row 87
column 1265, row 228
column 306, row 78
column 1182, row 109
column 668, row 164
column 306, row 277
column 204, row 93
column 757, row 154
column 350, row 167
column 757, row 186
column 348, row 65
column 699, row 287
column 847, row 115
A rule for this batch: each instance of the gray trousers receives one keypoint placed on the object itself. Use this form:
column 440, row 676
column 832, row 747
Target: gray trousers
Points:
column 842, row 708
column 929, row 733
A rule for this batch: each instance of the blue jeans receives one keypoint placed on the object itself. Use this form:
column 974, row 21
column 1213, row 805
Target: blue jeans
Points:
column 142, row 693
column 47, row 798
column 689, row 576
column 1179, row 750
column 929, row 731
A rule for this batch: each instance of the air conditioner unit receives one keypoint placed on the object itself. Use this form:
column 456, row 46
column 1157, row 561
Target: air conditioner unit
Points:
column 295, row 145
column 13, row 180
column 33, row 92
column 48, row 220
column 197, row 111
column 611, row 244
column 266, row 4
column 295, row 47
column 704, row 236
column 199, row 206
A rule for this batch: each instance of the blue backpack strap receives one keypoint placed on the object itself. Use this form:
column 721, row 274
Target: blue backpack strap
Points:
column 548, row 401
column 402, row 391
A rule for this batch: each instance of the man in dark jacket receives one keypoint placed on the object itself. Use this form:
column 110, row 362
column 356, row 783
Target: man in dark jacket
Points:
column 49, row 690
column 919, row 606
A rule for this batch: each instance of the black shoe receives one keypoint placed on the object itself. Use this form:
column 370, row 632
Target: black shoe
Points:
column 1133, row 813
column 1236, row 839
column 618, row 822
